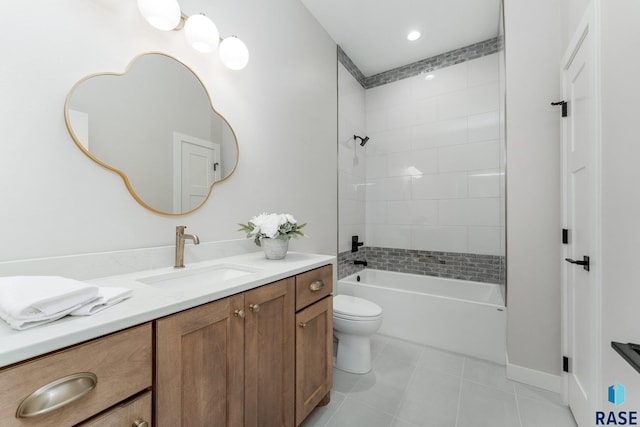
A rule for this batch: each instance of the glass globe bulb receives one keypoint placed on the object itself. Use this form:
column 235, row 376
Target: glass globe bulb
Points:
column 233, row 53
column 201, row 33
column 161, row 14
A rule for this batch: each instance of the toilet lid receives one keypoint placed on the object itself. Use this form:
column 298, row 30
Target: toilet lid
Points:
column 354, row 306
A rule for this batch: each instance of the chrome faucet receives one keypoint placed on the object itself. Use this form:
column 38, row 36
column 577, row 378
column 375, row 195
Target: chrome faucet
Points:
column 180, row 238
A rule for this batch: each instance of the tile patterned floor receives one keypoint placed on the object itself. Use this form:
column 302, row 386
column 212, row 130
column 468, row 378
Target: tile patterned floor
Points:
column 412, row 385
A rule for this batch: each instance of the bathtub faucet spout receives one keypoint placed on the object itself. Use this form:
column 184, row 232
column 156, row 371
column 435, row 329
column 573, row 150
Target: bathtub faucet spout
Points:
column 358, row 262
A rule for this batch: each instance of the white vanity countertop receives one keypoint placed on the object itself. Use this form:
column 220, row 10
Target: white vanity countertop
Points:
column 150, row 302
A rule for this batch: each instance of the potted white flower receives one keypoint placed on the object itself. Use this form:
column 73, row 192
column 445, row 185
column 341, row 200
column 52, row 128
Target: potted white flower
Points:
column 272, row 232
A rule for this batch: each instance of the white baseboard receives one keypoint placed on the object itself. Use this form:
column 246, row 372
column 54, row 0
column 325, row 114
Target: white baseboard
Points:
column 535, row 378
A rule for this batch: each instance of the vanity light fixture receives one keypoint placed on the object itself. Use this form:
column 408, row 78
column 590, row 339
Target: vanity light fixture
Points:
column 200, row 31
column 162, row 14
column 233, row 53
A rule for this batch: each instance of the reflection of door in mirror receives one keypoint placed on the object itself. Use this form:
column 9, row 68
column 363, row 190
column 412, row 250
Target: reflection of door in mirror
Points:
column 131, row 120
column 196, row 165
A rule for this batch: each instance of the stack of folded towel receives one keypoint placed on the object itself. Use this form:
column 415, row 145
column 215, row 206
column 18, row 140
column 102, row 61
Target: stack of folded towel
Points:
column 28, row 301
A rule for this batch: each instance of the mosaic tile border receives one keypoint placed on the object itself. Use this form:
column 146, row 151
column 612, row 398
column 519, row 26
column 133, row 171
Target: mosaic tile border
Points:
column 457, row 56
column 476, row 267
column 351, row 67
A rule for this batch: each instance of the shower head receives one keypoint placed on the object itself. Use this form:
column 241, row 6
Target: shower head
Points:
column 363, row 140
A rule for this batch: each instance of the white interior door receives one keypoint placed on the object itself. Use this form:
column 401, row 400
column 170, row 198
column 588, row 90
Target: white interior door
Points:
column 582, row 312
column 196, row 167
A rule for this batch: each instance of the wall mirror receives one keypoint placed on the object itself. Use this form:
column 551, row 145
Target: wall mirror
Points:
column 155, row 126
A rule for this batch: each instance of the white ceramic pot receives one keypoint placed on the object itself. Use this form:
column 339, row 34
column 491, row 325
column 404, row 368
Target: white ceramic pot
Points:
column 275, row 248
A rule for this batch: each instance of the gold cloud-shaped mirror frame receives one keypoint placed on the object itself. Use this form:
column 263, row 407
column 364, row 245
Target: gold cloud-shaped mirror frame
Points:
column 122, row 174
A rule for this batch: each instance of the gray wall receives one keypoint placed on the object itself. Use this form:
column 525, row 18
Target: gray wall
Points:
column 534, row 47
column 620, row 203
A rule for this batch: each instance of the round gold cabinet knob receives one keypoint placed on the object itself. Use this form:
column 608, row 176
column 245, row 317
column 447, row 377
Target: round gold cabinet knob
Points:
column 140, row 423
column 254, row 307
column 316, row 285
column 239, row 313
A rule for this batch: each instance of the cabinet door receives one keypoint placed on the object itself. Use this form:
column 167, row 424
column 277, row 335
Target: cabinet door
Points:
column 269, row 353
column 199, row 363
column 314, row 356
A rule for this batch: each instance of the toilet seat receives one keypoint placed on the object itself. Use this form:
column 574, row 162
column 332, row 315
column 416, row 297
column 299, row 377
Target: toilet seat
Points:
column 357, row 318
column 353, row 308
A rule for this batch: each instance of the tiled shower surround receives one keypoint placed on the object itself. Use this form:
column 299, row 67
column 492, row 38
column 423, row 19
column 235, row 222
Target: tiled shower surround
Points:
column 476, row 267
column 426, row 193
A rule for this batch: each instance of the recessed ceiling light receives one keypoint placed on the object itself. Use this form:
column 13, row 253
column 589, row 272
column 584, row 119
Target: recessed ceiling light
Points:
column 413, row 35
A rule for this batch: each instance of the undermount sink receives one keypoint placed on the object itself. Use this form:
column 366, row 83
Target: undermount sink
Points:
column 203, row 276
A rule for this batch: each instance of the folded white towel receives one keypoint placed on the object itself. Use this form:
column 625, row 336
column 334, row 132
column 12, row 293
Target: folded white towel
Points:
column 26, row 324
column 106, row 298
column 31, row 299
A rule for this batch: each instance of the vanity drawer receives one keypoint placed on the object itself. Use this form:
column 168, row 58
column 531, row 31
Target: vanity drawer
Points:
column 121, row 363
column 127, row 414
column 313, row 286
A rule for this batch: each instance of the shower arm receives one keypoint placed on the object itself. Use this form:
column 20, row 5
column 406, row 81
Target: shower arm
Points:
column 363, row 140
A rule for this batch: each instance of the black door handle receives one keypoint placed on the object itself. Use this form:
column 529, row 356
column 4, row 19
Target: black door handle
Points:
column 584, row 263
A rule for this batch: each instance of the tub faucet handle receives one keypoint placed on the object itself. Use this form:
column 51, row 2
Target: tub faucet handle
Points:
column 355, row 244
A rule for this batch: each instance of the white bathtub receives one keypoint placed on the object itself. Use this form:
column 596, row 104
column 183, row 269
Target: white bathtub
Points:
column 455, row 315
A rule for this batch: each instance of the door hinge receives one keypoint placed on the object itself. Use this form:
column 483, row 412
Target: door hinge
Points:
column 565, row 236
column 565, row 364
column 564, row 107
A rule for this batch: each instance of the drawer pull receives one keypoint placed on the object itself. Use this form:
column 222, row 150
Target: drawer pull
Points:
column 56, row 394
column 254, row 307
column 239, row 313
column 302, row 325
column 140, row 423
column 316, row 286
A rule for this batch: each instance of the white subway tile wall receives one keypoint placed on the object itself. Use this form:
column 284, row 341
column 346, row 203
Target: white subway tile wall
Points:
column 352, row 164
column 434, row 166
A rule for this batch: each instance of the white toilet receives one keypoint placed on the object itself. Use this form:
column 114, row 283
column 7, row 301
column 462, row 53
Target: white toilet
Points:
column 354, row 321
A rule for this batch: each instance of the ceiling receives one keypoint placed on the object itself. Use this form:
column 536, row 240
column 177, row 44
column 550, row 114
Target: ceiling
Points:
column 373, row 33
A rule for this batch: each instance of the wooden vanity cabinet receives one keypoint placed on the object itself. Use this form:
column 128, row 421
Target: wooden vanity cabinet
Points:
column 314, row 340
column 200, row 366
column 229, row 362
column 269, row 355
column 119, row 366
column 261, row 358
